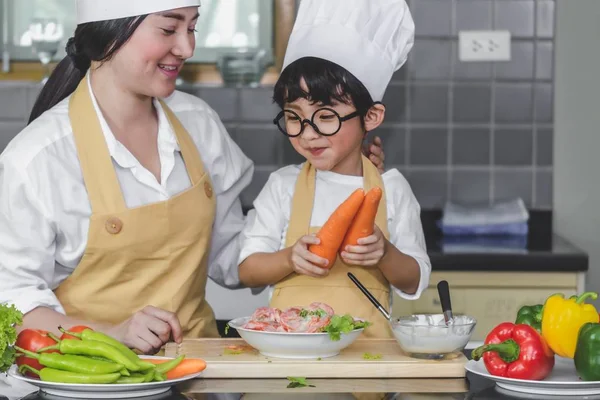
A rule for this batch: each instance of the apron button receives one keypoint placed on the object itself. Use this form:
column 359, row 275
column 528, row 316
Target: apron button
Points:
column 114, row 225
column 208, row 190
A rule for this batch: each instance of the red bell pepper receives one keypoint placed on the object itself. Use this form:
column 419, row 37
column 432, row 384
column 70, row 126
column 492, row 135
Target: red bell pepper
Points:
column 516, row 351
column 33, row 340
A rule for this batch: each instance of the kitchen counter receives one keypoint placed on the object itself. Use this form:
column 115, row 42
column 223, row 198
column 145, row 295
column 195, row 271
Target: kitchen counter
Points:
column 472, row 387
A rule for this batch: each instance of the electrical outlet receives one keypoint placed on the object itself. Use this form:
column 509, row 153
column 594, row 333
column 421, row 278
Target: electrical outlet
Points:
column 484, row 45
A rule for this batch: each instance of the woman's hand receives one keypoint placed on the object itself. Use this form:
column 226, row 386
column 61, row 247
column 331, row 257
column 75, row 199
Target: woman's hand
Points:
column 368, row 253
column 304, row 262
column 148, row 330
column 374, row 151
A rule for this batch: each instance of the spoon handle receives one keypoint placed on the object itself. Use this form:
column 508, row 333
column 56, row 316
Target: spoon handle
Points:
column 371, row 298
column 444, row 293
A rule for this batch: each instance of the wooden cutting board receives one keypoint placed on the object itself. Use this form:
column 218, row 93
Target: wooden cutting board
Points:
column 233, row 358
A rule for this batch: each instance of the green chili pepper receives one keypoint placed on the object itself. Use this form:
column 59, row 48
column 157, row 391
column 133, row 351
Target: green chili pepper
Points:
column 531, row 315
column 58, row 376
column 93, row 348
column 73, row 363
column 123, row 372
column 165, row 367
column 138, row 377
column 131, row 379
column 149, row 375
column 89, row 334
column 159, row 377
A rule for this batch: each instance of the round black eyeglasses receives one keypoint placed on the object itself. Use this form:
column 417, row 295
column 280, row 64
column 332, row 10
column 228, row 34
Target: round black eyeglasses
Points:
column 325, row 121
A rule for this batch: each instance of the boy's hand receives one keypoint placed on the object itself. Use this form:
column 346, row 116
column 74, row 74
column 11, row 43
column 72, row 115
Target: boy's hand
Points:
column 304, row 262
column 368, row 253
column 374, row 152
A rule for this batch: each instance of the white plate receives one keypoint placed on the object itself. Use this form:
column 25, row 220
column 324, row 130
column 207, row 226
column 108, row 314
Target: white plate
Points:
column 293, row 345
column 563, row 380
column 96, row 391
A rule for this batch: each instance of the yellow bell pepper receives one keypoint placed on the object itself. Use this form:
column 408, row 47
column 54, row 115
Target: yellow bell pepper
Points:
column 562, row 318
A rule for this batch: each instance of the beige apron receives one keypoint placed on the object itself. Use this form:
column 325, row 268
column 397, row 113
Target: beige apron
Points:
column 336, row 289
column 155, row 254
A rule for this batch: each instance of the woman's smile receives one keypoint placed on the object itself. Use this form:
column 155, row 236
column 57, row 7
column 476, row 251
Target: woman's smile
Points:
column 170, row 70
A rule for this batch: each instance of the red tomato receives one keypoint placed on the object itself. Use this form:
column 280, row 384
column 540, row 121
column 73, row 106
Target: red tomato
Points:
column 74, row 329
column 33, row 340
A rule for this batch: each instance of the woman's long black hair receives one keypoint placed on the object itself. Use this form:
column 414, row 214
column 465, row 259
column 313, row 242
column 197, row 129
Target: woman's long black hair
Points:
column 93, row 41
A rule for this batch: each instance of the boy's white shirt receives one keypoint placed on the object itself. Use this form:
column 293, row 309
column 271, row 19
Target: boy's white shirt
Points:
column 267, row 224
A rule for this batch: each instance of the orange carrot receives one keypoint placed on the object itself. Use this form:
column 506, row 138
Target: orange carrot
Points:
column 333, row 231
column 363, row 223
column 186, row 367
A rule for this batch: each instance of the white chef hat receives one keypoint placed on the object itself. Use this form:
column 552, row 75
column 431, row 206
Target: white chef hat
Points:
column 102, row 10
column 369, row 38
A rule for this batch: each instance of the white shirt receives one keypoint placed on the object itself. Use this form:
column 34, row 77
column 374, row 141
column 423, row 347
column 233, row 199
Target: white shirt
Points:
column 45, row 210
column 267, row 224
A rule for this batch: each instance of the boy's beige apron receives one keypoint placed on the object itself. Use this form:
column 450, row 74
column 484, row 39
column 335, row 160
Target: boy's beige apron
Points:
column 336, row 289
column 151, row 255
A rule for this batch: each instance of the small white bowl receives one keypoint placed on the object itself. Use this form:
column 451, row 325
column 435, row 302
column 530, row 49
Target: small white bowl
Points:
column 427, row 336
column 293, row 345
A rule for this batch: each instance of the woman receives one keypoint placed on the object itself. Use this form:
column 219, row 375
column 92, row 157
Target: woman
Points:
column 116, row 206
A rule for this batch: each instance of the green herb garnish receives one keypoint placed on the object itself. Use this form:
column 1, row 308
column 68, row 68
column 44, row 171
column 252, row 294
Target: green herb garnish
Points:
column 9, row 317
column 343, row 324
column 232, row 352
column 369, row 356
column 318, row 312
column 226, row 329
column 297, row 382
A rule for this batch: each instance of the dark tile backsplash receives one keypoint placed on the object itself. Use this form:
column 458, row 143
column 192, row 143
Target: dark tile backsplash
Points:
column 431, row 59
column 428, row 103
column 471, row 146
column 472, row 103
column 434, row 16
column 467, row 132
column 473, row 15
column 511, row 183
column 513, row 147
column 470, row 186
column 517, row 16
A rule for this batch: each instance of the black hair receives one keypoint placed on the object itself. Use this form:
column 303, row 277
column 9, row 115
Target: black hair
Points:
column 92, row 41
column 325, row 81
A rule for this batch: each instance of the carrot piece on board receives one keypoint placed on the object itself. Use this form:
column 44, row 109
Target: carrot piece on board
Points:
column 363, row 223
column 333, row 231
column 186, row 367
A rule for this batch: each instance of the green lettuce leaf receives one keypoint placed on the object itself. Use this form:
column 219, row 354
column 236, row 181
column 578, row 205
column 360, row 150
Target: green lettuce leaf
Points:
column 9, row 318
column 343, row 324
column 296, row 382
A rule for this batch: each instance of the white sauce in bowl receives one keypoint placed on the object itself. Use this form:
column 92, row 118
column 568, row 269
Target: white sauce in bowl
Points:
column 428, row 333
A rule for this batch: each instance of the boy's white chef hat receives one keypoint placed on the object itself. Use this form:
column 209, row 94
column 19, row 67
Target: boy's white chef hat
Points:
column 369, row 38
column 102, row 10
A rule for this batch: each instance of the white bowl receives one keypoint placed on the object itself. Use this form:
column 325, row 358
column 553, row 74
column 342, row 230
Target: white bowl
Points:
column 427, row 336
column 293, row 345
column 102, row 391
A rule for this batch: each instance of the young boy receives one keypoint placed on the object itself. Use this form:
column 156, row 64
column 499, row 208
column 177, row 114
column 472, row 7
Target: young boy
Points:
column 340, row 59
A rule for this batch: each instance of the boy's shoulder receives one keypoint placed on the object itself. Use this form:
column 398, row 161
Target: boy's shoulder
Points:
column 284, row 179
column 396, row 185
column 394, row 178
column 288, row 172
